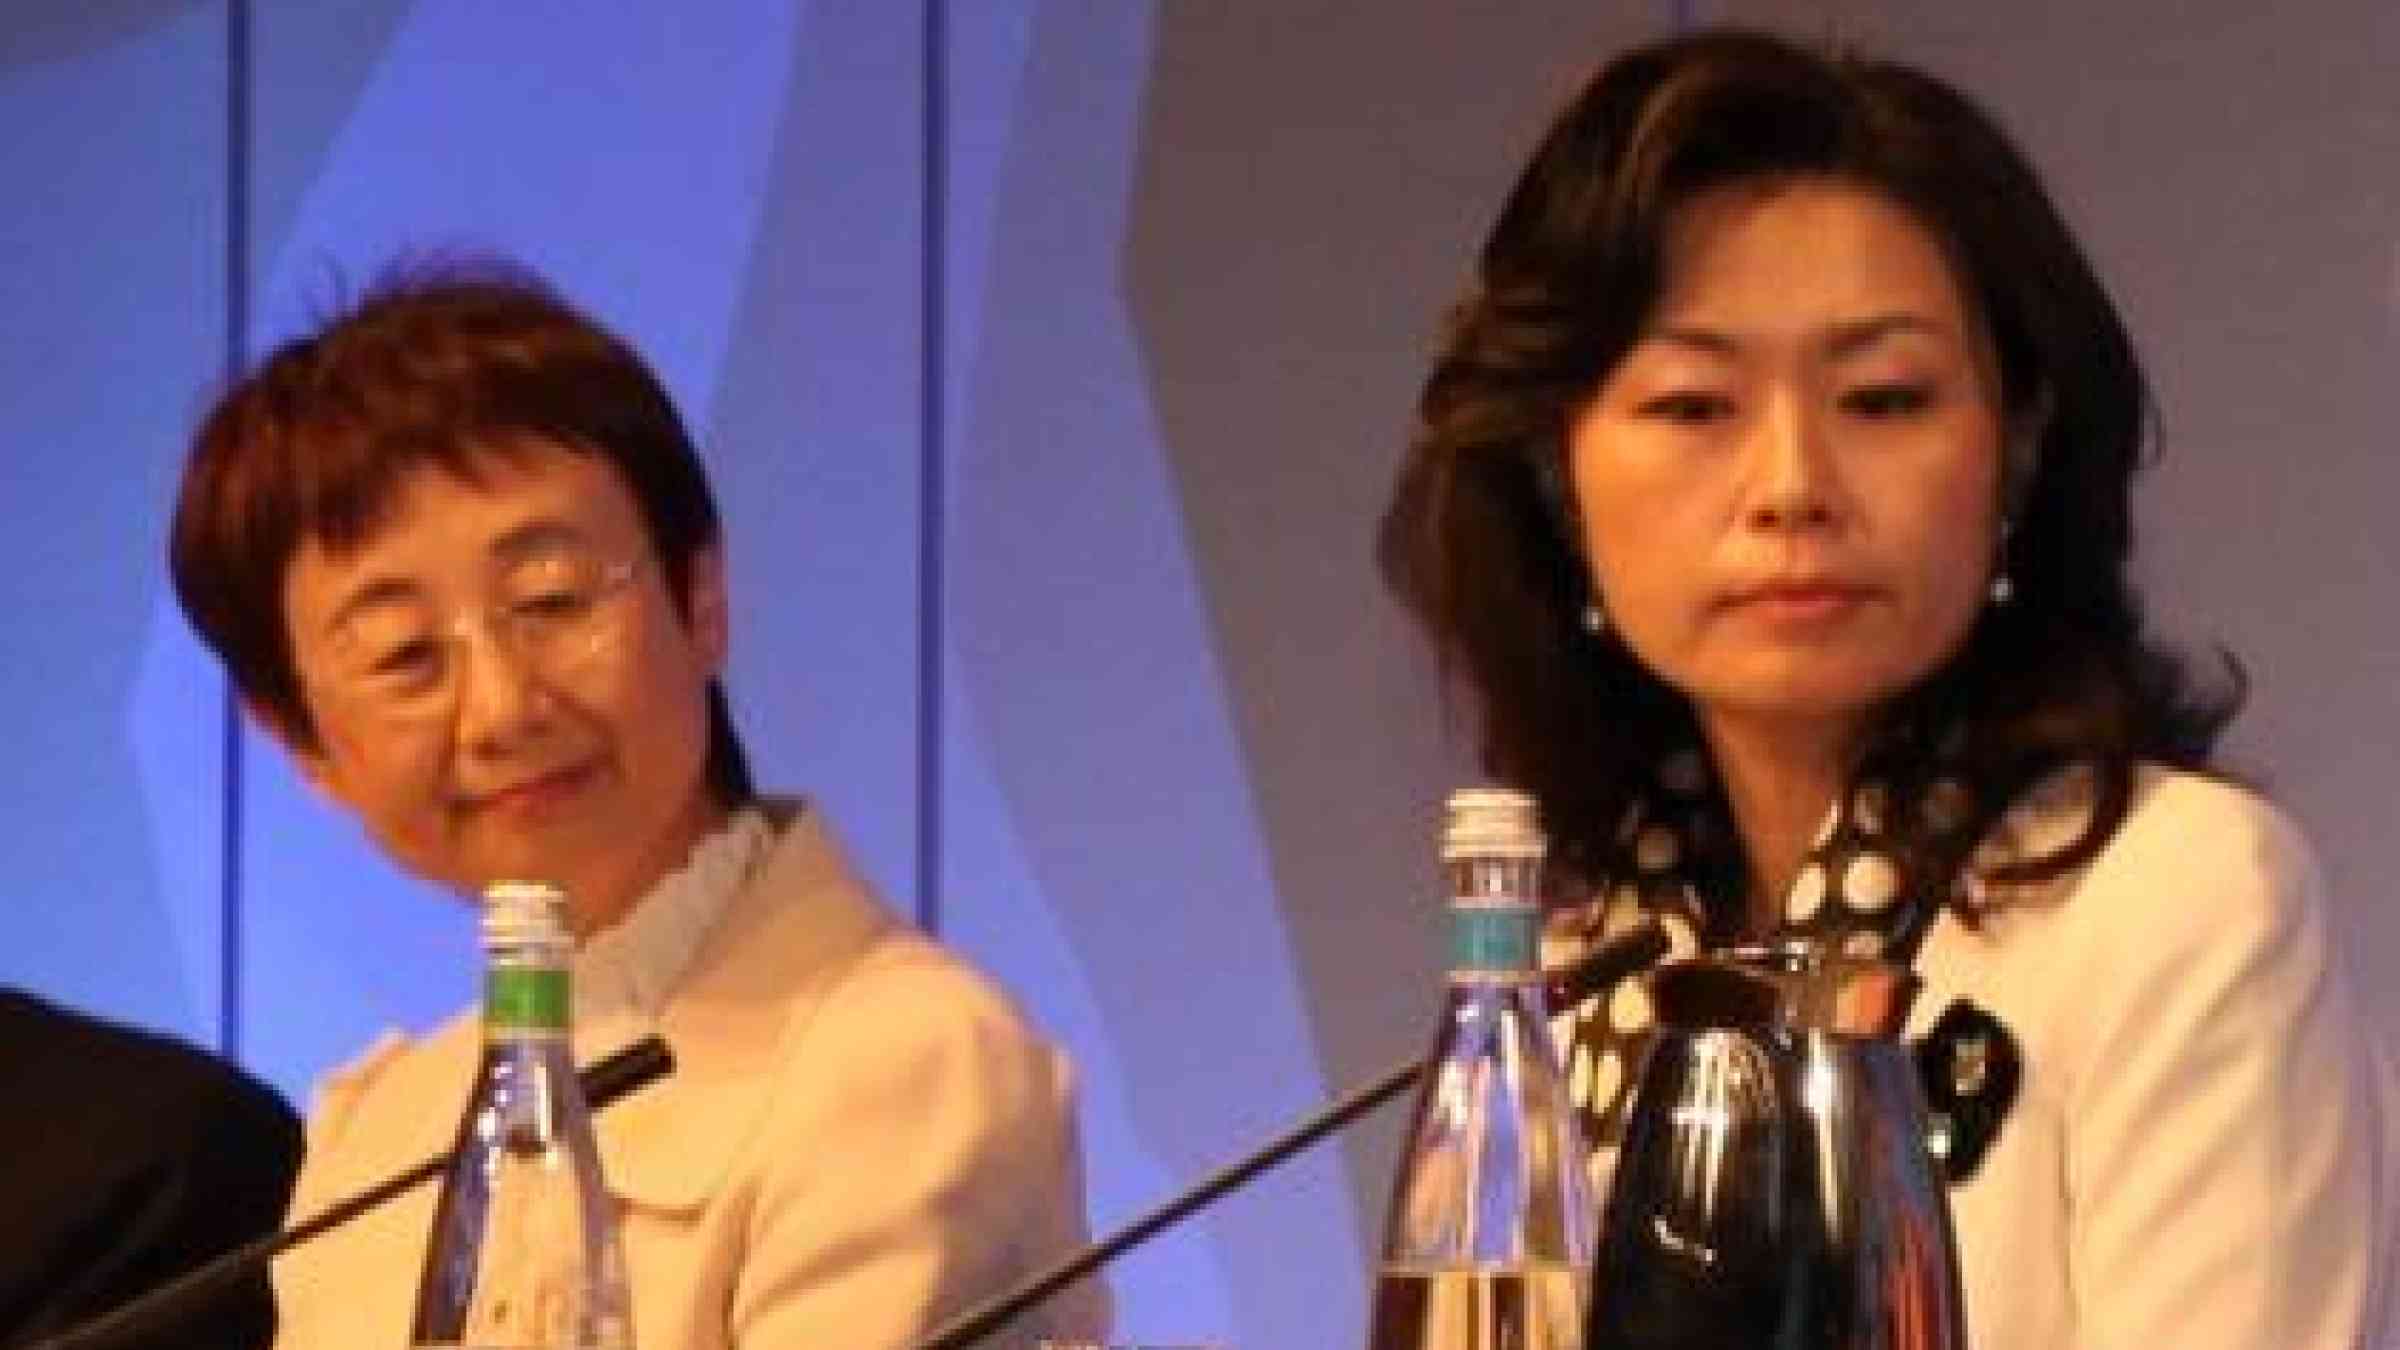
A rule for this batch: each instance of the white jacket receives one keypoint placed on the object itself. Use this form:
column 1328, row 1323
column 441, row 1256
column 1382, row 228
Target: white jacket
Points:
column 2203, row 1153
column 861, row 1137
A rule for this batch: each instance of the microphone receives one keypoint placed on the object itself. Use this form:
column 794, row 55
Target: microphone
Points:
column 605, row 1082
column 1632, row 950
column 1613, row 960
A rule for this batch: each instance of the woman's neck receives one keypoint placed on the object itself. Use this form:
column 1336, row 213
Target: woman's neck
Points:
column 1781, row 776
column 614, row 892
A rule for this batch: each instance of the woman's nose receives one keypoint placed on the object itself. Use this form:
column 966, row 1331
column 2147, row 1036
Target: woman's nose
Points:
column 1791, row 483
column 500, row 692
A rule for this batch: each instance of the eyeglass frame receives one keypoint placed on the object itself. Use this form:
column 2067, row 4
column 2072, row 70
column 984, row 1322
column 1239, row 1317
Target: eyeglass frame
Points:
column 504, row 624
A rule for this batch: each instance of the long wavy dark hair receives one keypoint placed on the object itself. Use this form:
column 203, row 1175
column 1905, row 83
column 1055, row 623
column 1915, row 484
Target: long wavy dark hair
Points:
column 1477, row 543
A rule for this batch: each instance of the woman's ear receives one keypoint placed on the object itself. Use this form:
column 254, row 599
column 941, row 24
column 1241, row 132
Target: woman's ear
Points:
column 2021, row 452
column 705, row 606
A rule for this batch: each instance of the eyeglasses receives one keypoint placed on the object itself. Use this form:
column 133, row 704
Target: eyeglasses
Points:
column 398, row 662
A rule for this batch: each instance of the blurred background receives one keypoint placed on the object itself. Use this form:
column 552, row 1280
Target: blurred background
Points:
column 1052, row 361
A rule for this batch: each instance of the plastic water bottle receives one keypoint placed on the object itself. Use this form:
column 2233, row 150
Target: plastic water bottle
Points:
column 524, row 1252
column 1489, row 1240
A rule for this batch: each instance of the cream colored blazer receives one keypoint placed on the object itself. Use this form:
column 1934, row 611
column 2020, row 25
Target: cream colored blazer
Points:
column 861, row 1138
column 2204, row 1154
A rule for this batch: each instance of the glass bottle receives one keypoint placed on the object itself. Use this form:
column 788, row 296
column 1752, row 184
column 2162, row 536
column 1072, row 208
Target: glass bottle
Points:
column 524, row 1253
column 1488, row 1241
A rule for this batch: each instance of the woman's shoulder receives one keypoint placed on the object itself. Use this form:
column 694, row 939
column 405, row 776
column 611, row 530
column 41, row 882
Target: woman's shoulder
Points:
column 2191, row 846
column 2204, row 850
column 395, row 1066
column 2166, row 798
column 2202, row 877
column 912, row 991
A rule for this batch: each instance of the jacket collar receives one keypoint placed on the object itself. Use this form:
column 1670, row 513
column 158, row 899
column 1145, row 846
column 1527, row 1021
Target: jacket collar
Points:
column 783, row 942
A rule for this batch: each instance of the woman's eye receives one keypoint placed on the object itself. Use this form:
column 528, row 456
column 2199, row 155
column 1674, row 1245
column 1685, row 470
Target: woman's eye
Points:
column 564, row 603
column 1690, row 408
column 407, row 659
column 1888, row 400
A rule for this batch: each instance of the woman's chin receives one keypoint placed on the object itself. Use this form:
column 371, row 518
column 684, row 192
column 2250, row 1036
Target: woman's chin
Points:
column 1817, row 699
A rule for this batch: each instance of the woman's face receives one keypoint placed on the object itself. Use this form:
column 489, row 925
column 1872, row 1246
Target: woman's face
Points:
column 1789, row 488
column 503, row 686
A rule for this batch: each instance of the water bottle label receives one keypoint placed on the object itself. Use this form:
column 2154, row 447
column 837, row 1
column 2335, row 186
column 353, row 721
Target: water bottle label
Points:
column 1493, row 939
column 525, row 999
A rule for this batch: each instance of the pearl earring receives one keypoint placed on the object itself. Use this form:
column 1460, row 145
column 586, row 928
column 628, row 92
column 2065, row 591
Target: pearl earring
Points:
column 2003, row 589
column 1595, row 619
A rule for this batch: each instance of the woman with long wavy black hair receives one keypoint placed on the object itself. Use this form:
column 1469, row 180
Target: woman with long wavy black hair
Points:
column 1769, row 499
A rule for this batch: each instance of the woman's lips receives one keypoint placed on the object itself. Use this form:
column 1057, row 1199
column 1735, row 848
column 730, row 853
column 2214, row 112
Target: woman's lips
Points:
column 534, row 796
column 1800, row 603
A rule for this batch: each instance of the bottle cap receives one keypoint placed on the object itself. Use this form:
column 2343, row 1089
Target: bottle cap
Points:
column 1491, row 822
column 517, row 912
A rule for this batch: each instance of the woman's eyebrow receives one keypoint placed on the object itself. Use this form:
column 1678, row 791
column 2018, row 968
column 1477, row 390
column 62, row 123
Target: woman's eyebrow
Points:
column 537, row 537
column 1699, row 339
column 1852, row 336
column 384, row 590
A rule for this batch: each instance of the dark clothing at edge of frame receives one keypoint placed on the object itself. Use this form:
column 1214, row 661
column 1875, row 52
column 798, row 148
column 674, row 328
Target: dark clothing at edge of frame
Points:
column 127, row 1159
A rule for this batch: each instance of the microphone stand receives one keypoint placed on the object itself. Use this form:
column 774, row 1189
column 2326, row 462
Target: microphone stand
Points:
column 983, row 1321
column 1612, row 961
column 605, row 1082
